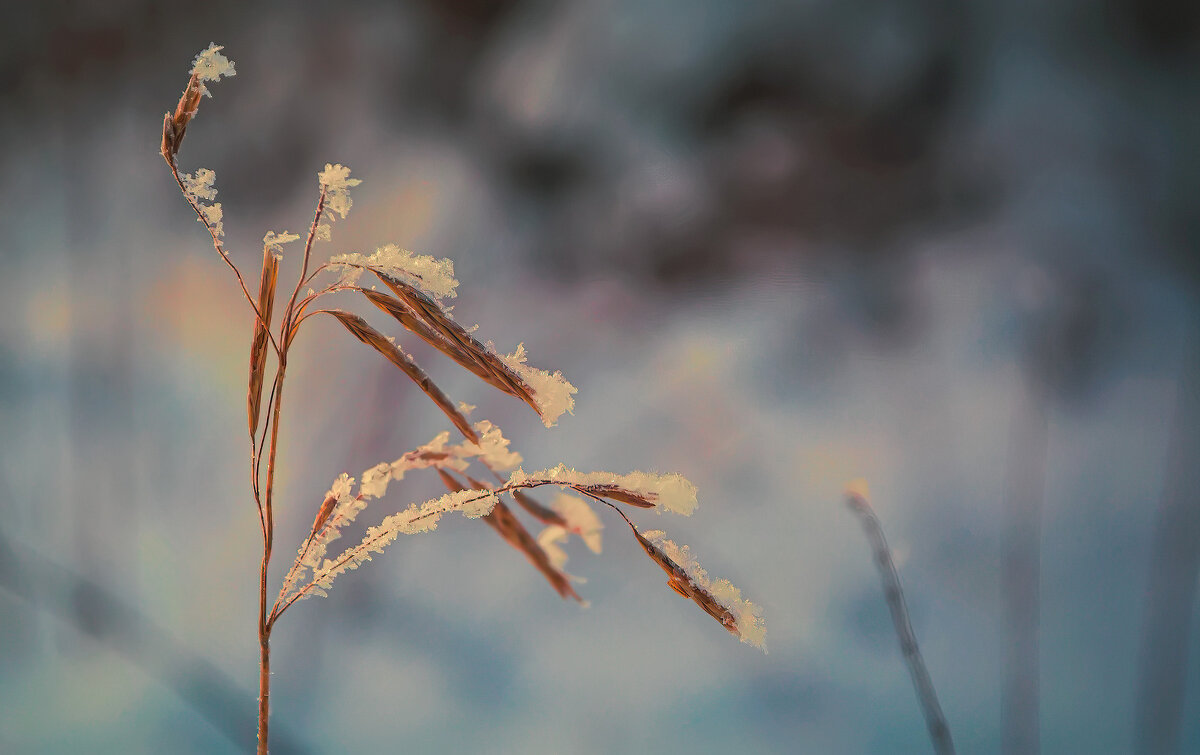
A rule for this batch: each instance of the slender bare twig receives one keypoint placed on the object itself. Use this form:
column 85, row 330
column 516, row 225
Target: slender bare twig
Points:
column 935, row 720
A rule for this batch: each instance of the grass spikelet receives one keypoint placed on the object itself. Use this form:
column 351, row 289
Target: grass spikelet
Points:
column 506, row 524
column 543, row 514
column 488, row 363
column 719, row 599
column 258, row 345
column 376, row 340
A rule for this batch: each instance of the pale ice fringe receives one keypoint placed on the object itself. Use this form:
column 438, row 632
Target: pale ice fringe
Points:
column 275, row 241
column 551, row 392
column 751, row 626
column 413, row 520
column 668, row 492
column 211, row 65
column 336, row 182
column 432, row 277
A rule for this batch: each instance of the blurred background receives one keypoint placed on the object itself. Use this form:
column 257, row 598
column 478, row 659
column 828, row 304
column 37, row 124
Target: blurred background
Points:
column 947, row 247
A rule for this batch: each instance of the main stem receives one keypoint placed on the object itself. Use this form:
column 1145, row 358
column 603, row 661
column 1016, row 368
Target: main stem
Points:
column 264, row 623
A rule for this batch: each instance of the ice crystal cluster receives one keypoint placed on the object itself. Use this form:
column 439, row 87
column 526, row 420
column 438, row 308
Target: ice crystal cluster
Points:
column 552, row 393
column 751, row 627
column 201, row 187
column 432, row 277
column 666, row 492
column 211, row 65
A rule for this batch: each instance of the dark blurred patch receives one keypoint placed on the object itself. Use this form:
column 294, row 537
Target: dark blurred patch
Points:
column 456, row 39
column 1074, row 332
column 544, row 172
column 1158, row 28
column 787, row 155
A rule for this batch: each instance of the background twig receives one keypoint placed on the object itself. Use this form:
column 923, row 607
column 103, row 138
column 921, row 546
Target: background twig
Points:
column 935, row 720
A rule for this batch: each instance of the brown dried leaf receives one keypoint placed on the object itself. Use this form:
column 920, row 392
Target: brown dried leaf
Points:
column 620, row 494
column 494, row 370
column 189, row 103
column 376, row 340
column 543, row 514
column 506, row 524
column 412, row 322
column 258, row 345
column 679, row 581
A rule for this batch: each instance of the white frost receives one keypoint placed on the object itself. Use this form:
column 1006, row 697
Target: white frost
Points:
column 492, row 448
column 751, row 626
column 276, row 240
column 335, row 180
column 432, row 277
column 414, row 519
column 550, row 540
column 211, row 65
column 200, row 186
column 552, row 393
column 668, row 492
column 212, row 216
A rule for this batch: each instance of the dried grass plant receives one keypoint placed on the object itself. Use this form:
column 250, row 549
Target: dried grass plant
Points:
column 415, row 286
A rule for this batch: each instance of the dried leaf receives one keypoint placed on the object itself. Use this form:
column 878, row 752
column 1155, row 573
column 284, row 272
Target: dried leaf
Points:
column 373, row 338
column 258, row 345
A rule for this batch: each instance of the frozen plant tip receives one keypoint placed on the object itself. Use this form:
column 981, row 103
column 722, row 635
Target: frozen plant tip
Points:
column 413, row 287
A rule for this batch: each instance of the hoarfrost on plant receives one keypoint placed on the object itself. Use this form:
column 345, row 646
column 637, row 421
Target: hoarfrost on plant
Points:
column 336, row 182
column 751, row 626
column 211, row 65
column 551, row 392
column 212, row 216
column 668, row 492
column 275, row 241
column 201, row 185
column 432, row 277
column 550, row 539
column 492, row 448
column 413, row 520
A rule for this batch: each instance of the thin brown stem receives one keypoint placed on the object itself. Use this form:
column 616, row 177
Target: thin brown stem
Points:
column 224, row 254
column 288, row 313
column 323, row 266
column 264, row 691
column 264, row 623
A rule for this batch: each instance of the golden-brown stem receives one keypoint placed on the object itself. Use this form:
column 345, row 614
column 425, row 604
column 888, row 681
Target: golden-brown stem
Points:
column 264, row 691
column 264, row 623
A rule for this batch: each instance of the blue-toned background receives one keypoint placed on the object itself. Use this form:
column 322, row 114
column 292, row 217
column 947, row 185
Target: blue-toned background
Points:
column 948, row 247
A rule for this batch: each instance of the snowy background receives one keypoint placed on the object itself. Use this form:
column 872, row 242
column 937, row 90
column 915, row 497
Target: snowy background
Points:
column 777, row 246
